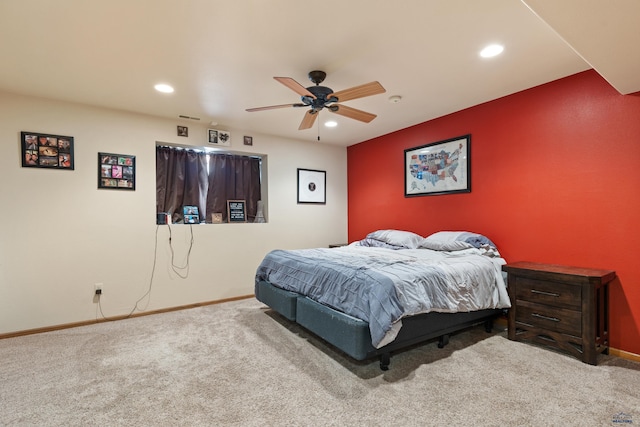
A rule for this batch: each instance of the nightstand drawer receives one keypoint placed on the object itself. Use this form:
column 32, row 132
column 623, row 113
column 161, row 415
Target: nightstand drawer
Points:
column 545, row 292
column 550, row 318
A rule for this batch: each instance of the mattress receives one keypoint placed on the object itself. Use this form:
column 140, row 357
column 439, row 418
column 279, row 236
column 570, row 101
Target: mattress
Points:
column 381, row 286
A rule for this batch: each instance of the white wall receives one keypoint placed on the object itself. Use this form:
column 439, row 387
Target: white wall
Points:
column 59, row 234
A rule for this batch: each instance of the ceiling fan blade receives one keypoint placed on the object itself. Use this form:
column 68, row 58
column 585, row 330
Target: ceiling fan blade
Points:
column 308, row 120
column 295, row 86
column 361, row 91
column 273, row 107
column 352, row 113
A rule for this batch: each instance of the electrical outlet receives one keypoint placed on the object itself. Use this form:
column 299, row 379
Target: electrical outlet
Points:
column 98, row 288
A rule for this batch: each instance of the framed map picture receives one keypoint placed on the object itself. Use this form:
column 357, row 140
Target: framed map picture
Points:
column 442, row 167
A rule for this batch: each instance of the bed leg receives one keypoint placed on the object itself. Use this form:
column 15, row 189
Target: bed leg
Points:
column 444, row 340
column 488, row 325
column 385, row 359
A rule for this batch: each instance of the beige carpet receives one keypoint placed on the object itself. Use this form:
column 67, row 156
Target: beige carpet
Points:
column 239, row 364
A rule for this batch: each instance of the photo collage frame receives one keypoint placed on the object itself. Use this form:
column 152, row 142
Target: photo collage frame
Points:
column 41, row 150
column 116, row 171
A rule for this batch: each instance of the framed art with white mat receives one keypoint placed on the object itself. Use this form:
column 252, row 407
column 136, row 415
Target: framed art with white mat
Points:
column 312, row 186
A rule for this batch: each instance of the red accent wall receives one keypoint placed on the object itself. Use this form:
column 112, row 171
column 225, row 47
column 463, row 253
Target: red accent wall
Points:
column 555, row 178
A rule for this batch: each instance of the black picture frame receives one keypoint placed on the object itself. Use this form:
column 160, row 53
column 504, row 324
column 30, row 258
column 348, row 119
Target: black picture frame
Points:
column 45, row 150
column 116, row 171
column 442, row 167
column 190, row 214
column 312, row 186
column 183, row 131
column 236, row 210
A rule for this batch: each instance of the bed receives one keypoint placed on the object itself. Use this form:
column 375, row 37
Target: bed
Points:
column 391, row 290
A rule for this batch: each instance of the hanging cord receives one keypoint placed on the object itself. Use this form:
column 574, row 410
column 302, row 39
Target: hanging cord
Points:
column 185, row 267
column 318, row 125
column 135, row 307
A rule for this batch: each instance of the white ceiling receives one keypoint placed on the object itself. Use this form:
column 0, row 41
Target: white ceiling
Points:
column 221, row 55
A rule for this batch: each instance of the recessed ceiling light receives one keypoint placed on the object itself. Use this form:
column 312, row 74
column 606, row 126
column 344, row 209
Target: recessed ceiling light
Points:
column 164, row 88
column 331, row 124
column 491, row 51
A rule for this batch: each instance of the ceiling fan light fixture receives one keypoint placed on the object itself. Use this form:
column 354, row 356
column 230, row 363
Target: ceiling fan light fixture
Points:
column 331, row 124
column 491, row 50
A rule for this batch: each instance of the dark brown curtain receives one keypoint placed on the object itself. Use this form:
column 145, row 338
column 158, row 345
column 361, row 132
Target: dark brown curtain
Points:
column 233, row 177
column 181, row 180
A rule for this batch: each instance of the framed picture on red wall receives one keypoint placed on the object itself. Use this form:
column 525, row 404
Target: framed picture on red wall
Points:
column 442, row 167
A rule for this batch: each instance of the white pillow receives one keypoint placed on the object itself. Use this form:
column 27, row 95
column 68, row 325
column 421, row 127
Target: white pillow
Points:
column 403, row 239
column 442, row 245
column 445, row 236
column 474, row 239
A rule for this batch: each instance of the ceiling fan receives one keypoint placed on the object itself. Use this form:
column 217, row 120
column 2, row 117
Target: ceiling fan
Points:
column 318, row 97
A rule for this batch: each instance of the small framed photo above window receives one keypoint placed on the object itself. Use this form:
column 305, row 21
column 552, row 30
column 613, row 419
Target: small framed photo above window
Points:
column 219, row 137
column 248, row 140
column 43, row 150
column 312, row 186
column 116, row 171
column 183, row 131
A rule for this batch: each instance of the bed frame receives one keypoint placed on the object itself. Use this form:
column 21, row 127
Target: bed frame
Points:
column 352, row 336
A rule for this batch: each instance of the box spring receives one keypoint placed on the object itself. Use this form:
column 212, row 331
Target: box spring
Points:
column 352, row 336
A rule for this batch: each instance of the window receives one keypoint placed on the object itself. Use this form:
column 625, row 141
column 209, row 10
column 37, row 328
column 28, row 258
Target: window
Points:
column 195, row 177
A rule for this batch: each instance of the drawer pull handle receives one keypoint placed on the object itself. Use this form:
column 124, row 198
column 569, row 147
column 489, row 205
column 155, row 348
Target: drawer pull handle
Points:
column 549, row 294
column 553, row 319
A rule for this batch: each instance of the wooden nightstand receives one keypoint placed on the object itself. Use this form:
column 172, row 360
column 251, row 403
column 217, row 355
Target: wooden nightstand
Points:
column 559, row 306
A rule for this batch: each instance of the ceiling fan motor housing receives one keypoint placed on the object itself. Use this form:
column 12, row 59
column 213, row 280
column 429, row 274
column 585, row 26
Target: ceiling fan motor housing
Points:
column 322, row 94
